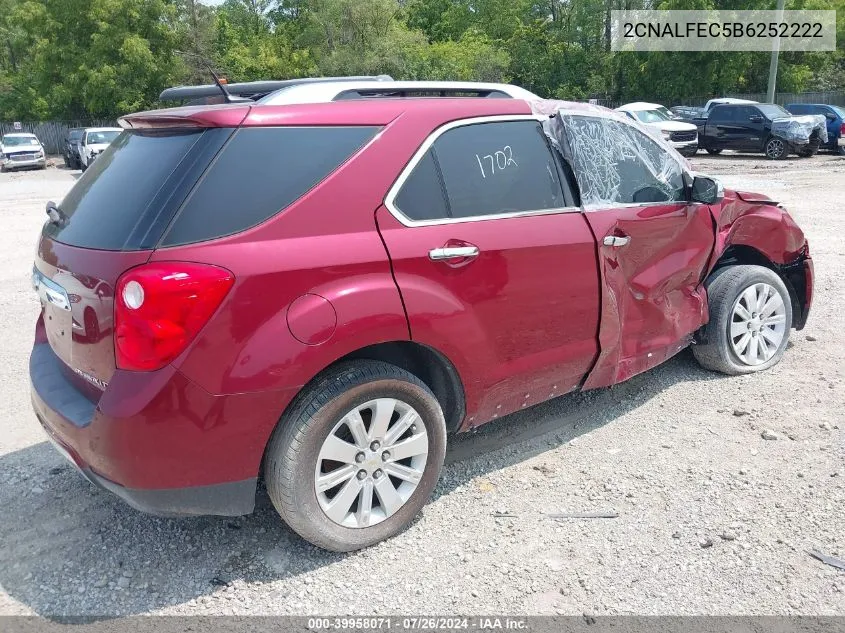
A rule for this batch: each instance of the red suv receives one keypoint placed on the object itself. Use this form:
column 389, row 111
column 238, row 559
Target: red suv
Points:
column 319, row 294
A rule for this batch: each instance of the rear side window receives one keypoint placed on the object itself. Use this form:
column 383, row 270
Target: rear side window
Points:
column 483, row 169
column 422, row 197
column 260, row 172
column 121, row 197
column 494, row 168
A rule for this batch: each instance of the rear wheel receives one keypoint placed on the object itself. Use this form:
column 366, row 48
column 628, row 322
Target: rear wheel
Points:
column 750, row 319
column 357, row 456
column 776, row 148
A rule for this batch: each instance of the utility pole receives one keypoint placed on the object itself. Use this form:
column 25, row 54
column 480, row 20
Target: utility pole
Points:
column 773, row 64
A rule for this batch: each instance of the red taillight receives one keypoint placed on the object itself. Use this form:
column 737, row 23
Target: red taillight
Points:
column 842, row 130
column 159, row 308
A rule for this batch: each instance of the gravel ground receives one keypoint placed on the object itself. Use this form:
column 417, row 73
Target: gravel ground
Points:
column 712, row 517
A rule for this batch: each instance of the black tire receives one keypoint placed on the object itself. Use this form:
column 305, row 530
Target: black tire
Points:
column 776, row 148
column 713, row 349
column 67, row 160
column 291, row 457
column 689, row 153
column 714, row 151
column 811, row 150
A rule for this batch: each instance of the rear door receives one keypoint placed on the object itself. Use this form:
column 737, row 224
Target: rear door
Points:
column 495, row 263
column 653, row 244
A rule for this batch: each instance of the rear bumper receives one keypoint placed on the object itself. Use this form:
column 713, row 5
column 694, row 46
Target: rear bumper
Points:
column 156, row 439
column 227, row 499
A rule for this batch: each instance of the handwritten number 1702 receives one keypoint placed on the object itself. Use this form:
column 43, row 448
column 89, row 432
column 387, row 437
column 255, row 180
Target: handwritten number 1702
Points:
column 499, row 160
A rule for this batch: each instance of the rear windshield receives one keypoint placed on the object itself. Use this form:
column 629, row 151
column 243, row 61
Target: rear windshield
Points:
column 200, row 184
column 260, row 172
column 117, row 202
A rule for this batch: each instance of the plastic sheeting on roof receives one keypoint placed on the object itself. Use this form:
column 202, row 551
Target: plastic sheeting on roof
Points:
column 615, row 159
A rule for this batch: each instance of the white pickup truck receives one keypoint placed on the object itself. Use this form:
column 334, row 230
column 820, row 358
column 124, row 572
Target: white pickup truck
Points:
column 681, row 135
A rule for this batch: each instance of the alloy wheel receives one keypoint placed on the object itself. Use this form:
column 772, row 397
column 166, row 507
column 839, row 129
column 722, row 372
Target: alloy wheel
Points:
column 371, row 463
column 774, row 148
column 758, row 324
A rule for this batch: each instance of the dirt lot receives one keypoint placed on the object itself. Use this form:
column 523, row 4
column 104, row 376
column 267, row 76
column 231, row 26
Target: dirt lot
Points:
column 713, row 519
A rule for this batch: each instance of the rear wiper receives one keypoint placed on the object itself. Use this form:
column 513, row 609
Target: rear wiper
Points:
column 56, row 215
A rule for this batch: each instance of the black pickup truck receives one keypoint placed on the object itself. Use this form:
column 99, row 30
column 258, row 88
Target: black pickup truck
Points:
column 760, row 127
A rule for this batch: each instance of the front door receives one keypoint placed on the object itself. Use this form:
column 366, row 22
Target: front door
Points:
column 495, row 263
column 653, row 245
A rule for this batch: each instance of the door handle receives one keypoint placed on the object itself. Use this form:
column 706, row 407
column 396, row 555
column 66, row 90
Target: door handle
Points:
column 452, row 252
column 616, row 240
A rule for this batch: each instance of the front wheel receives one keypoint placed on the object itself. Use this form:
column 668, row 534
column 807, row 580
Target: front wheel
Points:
column 750, row 319
column 714, row 150
column 776, row 149
column 357, row 456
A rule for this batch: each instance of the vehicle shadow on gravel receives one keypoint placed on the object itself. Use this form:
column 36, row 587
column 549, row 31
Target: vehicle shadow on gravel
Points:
column 72, row 549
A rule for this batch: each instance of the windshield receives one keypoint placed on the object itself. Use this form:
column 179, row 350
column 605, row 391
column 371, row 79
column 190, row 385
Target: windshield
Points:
column 651, row 116
column 18, row 141
column 771, row 111
column 75, row 135
column 106, row 136
column 667, row 113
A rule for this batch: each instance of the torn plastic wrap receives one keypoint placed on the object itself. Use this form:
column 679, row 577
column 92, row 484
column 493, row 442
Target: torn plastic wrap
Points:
column 611, row 160
column 799, row 129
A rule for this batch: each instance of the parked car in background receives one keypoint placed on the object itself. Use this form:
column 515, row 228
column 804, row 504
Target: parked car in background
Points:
column 71, row 148
column 760, row 127
column 689, row 113
column 712, row 103
column 681, row 135
column 835, row 117
column 19, row 150
column 94, row 142
column 317, row 294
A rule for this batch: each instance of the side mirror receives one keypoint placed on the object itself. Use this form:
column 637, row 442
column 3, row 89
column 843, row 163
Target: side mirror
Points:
column 756, row 118
column 830, row 115
column 707, row 190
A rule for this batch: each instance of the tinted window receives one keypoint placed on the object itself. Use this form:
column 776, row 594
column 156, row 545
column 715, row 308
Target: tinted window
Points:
column 260, row 172
column 720, row 113
column 421, row 197
column 798, row 108
column 118, row 203
column 743, row 114
column 492, row 168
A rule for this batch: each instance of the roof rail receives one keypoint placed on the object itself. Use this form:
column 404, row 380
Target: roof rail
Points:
column 252, row 89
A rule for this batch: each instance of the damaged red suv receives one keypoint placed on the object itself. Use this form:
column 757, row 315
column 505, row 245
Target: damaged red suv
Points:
column 319, row 294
